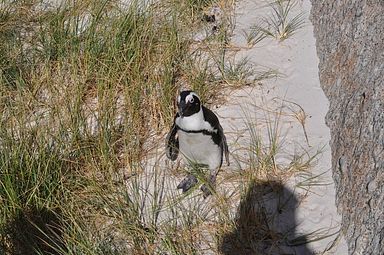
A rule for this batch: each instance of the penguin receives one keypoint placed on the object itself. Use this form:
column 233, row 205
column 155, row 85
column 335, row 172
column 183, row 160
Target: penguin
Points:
column 196, row 132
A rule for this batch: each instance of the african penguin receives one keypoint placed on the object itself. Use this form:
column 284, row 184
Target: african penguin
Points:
column 198, row 135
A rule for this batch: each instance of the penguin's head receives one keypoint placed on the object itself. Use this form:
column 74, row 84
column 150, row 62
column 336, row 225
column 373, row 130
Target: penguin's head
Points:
column 188, row 103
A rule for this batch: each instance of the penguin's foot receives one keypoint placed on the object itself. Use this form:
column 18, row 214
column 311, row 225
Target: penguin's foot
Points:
column 187, row 183
column 207, row 189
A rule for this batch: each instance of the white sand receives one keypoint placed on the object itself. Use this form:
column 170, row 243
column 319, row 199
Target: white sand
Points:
column 296, row 59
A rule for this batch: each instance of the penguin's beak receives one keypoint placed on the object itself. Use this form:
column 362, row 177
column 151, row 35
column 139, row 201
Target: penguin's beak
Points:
column 182, row 107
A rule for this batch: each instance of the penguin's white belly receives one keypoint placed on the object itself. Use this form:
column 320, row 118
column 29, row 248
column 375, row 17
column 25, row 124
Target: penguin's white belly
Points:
column 200, row 148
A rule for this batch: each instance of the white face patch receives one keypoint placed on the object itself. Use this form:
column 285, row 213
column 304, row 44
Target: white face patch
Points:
column 190, row 98
column 194, row 94
column 178, row 99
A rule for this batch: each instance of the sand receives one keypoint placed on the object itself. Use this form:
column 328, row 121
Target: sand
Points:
column 296, row 61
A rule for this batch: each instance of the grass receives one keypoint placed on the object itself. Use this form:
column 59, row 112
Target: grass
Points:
column 86, row 90
column 280, row 23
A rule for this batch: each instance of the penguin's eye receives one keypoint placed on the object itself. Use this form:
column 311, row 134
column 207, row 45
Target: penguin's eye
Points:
column 191, row 100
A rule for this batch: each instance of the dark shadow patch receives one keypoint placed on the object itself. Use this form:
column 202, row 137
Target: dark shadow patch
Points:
column 265, row 223
column 31, row 231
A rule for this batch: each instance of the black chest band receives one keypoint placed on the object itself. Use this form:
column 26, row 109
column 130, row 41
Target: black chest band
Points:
column 202, row 131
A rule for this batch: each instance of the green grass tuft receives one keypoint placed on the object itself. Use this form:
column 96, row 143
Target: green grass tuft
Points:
column 278, row 24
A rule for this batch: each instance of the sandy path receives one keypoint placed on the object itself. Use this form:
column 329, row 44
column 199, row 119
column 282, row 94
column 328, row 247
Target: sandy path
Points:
column 296, row 59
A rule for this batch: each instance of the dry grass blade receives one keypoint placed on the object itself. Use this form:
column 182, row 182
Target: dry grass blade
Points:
column 301, row 116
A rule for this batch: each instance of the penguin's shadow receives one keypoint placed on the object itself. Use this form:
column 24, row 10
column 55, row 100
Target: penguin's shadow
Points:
column 265, row 223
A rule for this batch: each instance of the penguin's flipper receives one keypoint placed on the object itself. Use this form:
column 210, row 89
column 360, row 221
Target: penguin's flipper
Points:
column 225, row 149
column 223, row 143
column 172, row 143
column 212, row 119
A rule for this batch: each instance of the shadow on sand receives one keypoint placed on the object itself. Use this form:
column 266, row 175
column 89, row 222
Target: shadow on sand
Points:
column 265, row 223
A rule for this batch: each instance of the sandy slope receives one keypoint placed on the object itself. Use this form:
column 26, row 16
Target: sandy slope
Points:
column 296, row 59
